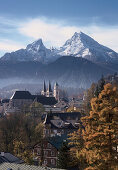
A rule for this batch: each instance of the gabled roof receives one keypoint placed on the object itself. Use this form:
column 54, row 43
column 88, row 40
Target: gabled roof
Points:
column 22, row 95
column 8, row 157
column 44, row 100
column 39, row 98
column 66, row 120
column 57, row 141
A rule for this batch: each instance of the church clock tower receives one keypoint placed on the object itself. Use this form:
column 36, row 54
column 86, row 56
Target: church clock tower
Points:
column 56, row 91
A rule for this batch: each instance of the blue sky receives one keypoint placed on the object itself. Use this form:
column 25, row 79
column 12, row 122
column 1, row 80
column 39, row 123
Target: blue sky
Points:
column 23, row 21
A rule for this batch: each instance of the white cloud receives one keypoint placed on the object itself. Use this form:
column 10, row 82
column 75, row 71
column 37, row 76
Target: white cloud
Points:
column 55, row 33
column 51, row 32
column 106, row 36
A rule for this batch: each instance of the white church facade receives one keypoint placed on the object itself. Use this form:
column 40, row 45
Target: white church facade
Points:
column 48, row 92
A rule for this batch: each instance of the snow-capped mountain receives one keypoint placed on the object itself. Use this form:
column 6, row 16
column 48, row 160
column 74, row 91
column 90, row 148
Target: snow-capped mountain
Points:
column 33, row 52
column 81, row 45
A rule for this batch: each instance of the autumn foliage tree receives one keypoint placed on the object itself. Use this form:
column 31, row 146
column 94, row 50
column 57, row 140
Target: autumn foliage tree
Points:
column 101, row 130
column 76, row 146
column 19, row 132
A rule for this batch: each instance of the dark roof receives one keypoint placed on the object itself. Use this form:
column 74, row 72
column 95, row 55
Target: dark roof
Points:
column 44, row 100
column 44, row 87
column 49, row 87
column 2, row 159
column 57, row 141
column 56, row 84
column 66, row 120
column 39, row 98
column 8, row 157
column 5, row 100
column 22, row 95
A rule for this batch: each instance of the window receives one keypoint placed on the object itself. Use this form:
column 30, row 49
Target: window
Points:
column 45, row 162
column 52, row 161
column 52, row 153
column 38, row 152
column 45, row 153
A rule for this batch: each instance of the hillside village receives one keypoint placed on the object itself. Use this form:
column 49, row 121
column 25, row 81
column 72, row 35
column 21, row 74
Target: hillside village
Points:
column 55, row 122
column 58, row 123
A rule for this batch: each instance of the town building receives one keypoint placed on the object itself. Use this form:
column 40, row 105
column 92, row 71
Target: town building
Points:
column 56, row 91
column 8, row 157
column 25, row 98
column 47, row 151
column 48, row 92
column 61, row 123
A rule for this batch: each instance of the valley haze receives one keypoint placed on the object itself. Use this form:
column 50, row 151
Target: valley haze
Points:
column 77, row 64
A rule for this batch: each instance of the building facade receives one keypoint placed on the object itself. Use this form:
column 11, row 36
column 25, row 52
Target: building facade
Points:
column 58, row 124
column 47, row 151
column 48, row 92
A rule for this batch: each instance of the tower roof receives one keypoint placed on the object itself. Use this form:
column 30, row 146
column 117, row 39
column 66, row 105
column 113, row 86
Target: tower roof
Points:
column 49, row 87
column 56, row 84
column 44, row 86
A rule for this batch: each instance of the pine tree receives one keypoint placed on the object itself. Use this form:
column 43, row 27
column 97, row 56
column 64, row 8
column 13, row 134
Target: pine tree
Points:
column 99, row 87
column 64, row 156
column 101, row 131
column 101, row 84
column 97, row 91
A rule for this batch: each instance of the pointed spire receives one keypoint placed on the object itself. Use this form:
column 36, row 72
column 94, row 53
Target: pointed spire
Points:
column 49, row 87
column 56, row 84
column 44, row 86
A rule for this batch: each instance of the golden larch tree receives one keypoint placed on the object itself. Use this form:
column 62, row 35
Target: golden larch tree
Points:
column 101, row 131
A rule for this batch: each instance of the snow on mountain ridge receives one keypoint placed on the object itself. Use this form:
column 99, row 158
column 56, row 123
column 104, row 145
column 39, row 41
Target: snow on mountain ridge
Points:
column 36, row 46
column 79, row 45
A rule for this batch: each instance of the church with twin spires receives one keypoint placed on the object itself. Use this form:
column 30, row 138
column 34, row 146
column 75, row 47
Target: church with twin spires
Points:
column 48, row 92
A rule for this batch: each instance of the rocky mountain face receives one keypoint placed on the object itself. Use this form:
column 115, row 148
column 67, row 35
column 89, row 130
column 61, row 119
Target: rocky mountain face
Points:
column 80, row 45
column 33, row 52
column 78, row 63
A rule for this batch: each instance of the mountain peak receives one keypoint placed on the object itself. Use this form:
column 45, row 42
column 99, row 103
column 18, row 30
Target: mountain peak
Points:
column 36, row 45
column 38, row 41
column 82, row 45
column 78, row 34
column 80, row 38
column 79, row 45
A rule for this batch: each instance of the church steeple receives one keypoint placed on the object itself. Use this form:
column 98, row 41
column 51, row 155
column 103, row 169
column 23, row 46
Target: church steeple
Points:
column 44, row 86
column 44, row 89
column 56, row 91
column 49, row 87
column 49, row 91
